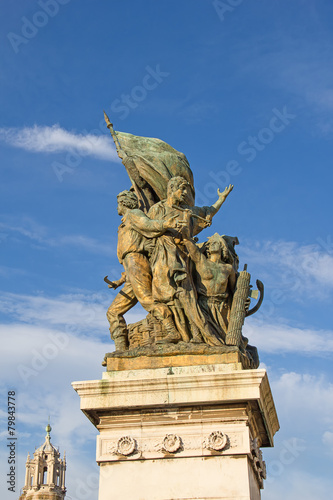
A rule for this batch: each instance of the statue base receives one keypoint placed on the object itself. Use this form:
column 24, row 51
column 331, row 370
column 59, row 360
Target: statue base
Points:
column 180, row 354
column 181, row 432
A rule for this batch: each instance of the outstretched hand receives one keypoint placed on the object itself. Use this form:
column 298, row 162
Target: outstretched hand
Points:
column 225, row 193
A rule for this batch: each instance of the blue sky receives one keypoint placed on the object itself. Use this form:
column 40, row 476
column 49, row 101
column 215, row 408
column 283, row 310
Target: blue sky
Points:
column 245, row 90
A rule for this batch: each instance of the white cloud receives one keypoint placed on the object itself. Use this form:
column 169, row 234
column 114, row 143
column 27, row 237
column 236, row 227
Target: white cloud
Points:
column 76, row 313
column 283, row 338
column 85, row 242
column 83, row 312
column 304, row 398
column 44, row 139
column 40, row 351
column 27, row 227
column 297, row 484
column 304, row 404
column 328, row 438
column 328, row 441
column 295, row 269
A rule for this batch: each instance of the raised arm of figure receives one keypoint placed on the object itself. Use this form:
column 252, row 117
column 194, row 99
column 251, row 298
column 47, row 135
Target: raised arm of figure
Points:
column 221, row 198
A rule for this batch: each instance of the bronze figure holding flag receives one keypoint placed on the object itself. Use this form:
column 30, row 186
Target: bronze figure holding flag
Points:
column 192, row 292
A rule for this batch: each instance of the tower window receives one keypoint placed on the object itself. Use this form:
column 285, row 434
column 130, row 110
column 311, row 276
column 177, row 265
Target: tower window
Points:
column 44, row 475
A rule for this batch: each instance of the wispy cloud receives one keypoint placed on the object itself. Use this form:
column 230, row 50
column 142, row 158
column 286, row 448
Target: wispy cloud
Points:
column 307, row 391
column 86, row 313
column 283, row 338
column 299, row 396
column 300, row 67
column 296, row 483
column 292, row 267
column 72, row 313
column 29, row 228
column 197, row 111
column 83, row 313
column 327, row 440
column 44, row 139
column 9, row 272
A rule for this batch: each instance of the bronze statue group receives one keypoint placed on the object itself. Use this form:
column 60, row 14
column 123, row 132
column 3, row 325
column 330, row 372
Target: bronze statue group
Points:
column 186, row 288
column 193, row 293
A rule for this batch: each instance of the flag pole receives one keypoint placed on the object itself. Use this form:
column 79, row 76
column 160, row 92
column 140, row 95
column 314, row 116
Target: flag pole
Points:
column 114, row 136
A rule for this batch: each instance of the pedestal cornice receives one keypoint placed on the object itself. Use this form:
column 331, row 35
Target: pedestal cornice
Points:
column 187, row 386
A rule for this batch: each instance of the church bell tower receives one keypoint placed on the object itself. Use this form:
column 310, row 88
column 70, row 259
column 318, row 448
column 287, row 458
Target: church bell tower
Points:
column 45, row 473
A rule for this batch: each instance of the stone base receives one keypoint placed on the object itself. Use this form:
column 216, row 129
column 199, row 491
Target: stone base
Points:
column 181, row 354
column 191, row 432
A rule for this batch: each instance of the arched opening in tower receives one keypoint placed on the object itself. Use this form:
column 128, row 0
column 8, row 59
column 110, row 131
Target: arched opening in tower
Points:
column 44, row 475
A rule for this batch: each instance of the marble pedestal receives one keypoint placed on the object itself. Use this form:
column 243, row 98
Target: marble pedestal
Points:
column 191, row 432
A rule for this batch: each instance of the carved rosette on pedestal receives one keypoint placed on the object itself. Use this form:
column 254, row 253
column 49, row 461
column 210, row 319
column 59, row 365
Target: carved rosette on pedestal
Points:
column 126, row 446
column 171, row 443
column 216, row 441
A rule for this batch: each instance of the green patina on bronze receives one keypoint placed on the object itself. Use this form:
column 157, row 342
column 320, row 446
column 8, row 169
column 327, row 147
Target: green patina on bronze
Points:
column 156, row 161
